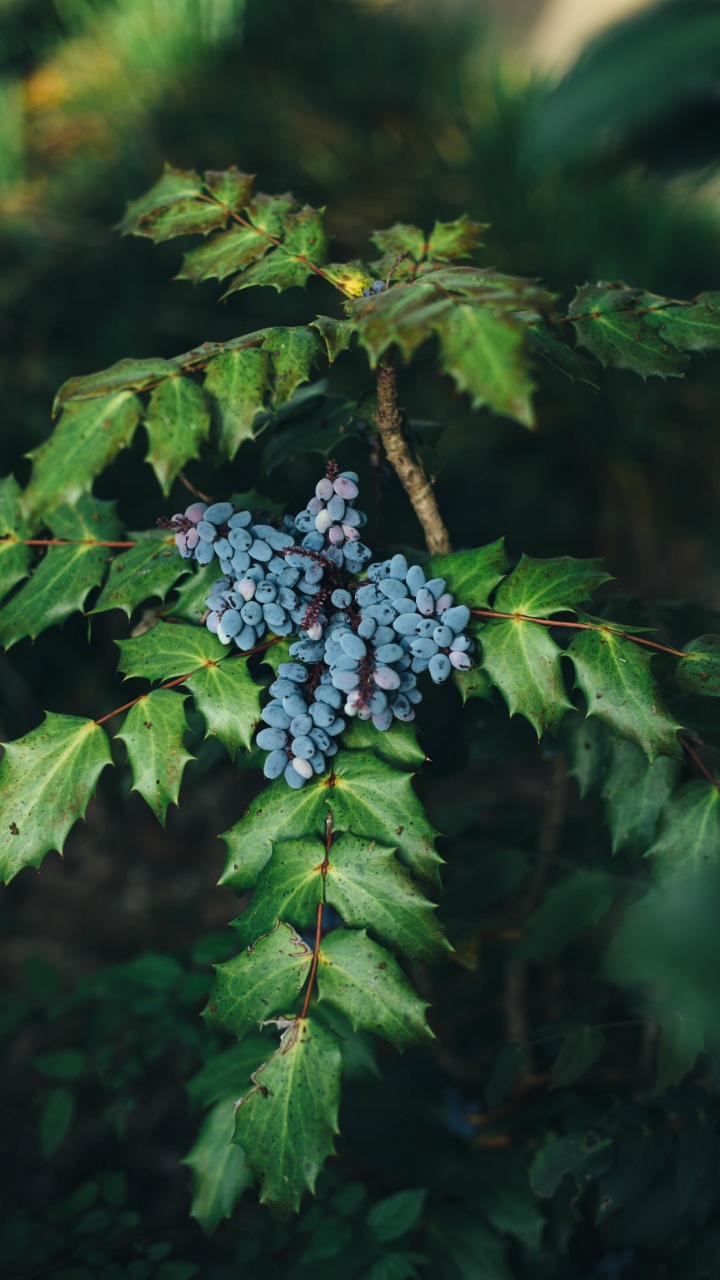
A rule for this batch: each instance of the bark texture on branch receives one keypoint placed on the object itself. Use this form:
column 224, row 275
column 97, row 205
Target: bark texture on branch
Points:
column 408, row 466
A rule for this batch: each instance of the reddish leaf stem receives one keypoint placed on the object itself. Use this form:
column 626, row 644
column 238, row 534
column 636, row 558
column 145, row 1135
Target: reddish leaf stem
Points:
column 579, row 626
column 701, row 766
column 321, row 907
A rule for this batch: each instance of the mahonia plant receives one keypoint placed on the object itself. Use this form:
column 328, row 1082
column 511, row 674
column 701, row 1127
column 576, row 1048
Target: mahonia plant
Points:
column 337, row 849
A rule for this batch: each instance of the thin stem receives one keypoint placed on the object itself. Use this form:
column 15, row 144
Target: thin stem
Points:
column 197, row 493
column 321, row 907
column 580, row 626
column 409, row 467
column 701, row 766
column 64, row 542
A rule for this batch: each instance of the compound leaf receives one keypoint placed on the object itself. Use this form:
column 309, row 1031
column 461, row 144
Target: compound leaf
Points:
column 153, row 734
column 294, row 353
column 168, row 650
column 219, row 1172
column 523, row 661
column 261, row 982
column 472, row 575
column 238, row 382
column 486, row 355
column 612, row 322
column 366, row 983
column 174, row 206
column 457, row 239
column 46, row 781
column 398, row 745
column 289, row 887
column 688, row 840
column 228, row 699
column 615, row 677
column 147, row 570
column 543, row 587
column 177, row 421
column 699, row 672
column 287, row 1122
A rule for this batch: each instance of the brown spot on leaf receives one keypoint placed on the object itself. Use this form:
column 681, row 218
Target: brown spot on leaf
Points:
column 14, row 828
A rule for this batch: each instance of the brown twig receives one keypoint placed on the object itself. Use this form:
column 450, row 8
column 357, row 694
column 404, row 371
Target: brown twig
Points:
column 701, row 766
column 204, row 497
column 409, row 468
column 321, row 907
column 580, row 626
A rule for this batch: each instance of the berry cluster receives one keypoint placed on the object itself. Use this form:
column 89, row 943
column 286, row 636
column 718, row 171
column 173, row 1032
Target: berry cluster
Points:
column 362, row 642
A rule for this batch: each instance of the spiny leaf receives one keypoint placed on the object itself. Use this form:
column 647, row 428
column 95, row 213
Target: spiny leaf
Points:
column 125, row 375
column 177, row 421
column 700, row 671
column 577, row 901
column 173, row 207
column 523, row 661
column 219, row 1172
column 229, row 251
column 472, row 575
column 580, row 1051
column 366, row 796
column 400, row 239
column 262, row 981
column 238, row 382
column 366, row 983
column 547, row 343
column 336, row 334
column 586, row 746
column 486, row 356
column 168, row 650
column 398, row 745
column 231, row 187
column 405, row 315
column 614, row 675
column 686, row 326
column 147, row 570
column 227, row 1074
column 688, row 841
column 583, row 1156
column 46, row 781
column 475, row 683
column 61, row 582
column 87, row 438
column 605, row 321
column 682, row 1039
column 304, row 241
column 15, row 557
column 634, row 794
column 294, row 354
column 543, row 587
column 228, row 699
column 287, row 1122
column 457, row 239
column 349, row 277
column 289, row 887
column 153, row 734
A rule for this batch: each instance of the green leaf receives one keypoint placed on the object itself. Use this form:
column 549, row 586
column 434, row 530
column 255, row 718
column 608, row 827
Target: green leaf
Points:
column 173, row 207
column 398, row 745
column 475, row 683
column 366, row 983
column 681, row 1041
column 366, row 796
column 286, row 1124
column 584, row 1157
column 457, row 239
column 688, row 841
column 580, row 899
column 543, row 587
column 498, row 1182
column 65, row 1064
column 336, row 334
column 169, row 649
column 486, row 355
column 364, row 882
column 547, row 343
column 304, row 241
column 261, row 982
column 505, row 1072
column 177, row 421
column 65, row 575
column 227, row 1074
column 153, row 734
column 228, row 699
column 238, row 381
column 615, row 677
column 523, row 661
column 230, row 187
column 223, row 254
column 396, row 240
column 465, row 1248
column 581, row 1050
column 56, row 1116
column 472, row 575
column 147, row 570
column 686, row 326
column 219, row 1172
column 46, row 781
column 605, row 321
column 393, row 1217
column 125, row 375
column 87, row 438
column 700, row 671
column 586, row 745
column 15, row 557
column 294, row 353
column 634, row 794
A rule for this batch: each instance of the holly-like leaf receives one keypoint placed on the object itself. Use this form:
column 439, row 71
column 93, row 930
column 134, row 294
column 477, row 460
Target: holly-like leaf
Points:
column 169, row 650
column 546, row 342
column 304, row 242
column 475, row 683
column 486, row 355
column 46, row 781
column 471, row 576
column 175, row 206
column 153, row 734
column 681, row 1041
column 286, row 1124
column 405, row 315
column 177, row 421
column 87, row 438
column 686, row 326
column 615, row 677
column 611, row 321
column 219, row 1172
column 294, row 353
column 349, row 277
column 227, row 1074
column 61, row 582
column 125, row 375
column 634, row 794
column 366, row 796
column 457, row 239
column 225, row 253
column 400, row 240
column 583, row 1156
column 147, row 570
column 699, row 672
column 228, row 699
column 398, row 745
column 580, row 1051
column 261, row 982
column 289, row 887
column 541, row 588
column 688, row 841
column 336, row 334
column 15, row 557
column 523, row 661
column 366, row 983
column 586, row 746
column 238, row 382
column 575, row 902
